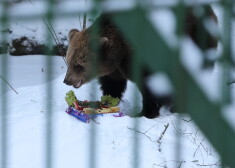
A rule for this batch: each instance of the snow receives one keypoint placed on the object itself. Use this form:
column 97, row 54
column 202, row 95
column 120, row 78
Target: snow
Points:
column 182, row 145
column 36, row 28
column 31, row 70
column 160, row 84
column 113, row 138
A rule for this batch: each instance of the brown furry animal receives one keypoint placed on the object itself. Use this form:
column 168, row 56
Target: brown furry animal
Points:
column 115, row 57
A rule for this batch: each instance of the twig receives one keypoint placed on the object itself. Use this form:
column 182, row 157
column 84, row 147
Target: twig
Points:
column 187, row 120
column 176, row 131
column 161, row 136
column 79, row 19
column 150, row 128
column 198, row 147
column 143, row 133
column 8, row 84
column 209, row 165
column 55, row 39
column 181, row 162
column 84, row 19
column 163, row 164
column 58, row 41
column 54, row 36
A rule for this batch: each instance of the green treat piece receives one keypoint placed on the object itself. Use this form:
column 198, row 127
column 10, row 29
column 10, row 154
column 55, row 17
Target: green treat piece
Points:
column 70, row 98
column 111, row 101
column 94, row 104
column 89, row 104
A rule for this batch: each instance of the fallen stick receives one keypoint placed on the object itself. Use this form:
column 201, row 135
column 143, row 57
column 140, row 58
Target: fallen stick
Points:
column 8, row 84
column 161, row 136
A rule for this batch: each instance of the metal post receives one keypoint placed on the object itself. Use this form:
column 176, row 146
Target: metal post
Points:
column 4, row 101
column 49, row 148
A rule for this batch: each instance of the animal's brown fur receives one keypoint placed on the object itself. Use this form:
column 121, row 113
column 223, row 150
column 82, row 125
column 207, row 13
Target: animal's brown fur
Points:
column 113, row 49
column 115, row 57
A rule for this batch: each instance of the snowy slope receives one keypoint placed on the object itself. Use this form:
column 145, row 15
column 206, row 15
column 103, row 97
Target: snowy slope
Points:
column 114, row 136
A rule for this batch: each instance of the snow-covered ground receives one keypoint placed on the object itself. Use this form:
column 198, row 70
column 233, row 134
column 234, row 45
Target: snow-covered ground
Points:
column 114, row 137
column 32, row 70
column 162, row 141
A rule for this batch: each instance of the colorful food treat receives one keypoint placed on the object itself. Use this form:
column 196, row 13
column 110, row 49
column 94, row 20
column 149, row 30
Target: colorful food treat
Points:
column 87, row 110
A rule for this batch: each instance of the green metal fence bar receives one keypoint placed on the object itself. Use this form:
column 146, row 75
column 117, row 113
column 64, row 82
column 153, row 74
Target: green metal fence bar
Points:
column 4, row 102
column 92, row 161
column 49, row 113
column 180, row 17
column 135, row 74
column 226, row 59
column 195, row 101
column 68, row 14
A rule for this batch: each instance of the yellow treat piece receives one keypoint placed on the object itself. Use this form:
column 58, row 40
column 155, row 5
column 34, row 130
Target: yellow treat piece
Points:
column 104, row 110
column 89, row 111
column 115, row 109
column 108, row 110
column 101, row 111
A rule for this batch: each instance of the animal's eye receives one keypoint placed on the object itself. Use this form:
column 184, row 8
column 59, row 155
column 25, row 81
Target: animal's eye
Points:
column 78, row 68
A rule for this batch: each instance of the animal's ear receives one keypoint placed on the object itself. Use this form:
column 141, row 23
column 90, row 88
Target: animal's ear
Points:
column 72, row 33
column 104, row 41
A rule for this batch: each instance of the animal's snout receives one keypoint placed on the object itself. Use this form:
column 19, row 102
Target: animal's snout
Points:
column 67, row 82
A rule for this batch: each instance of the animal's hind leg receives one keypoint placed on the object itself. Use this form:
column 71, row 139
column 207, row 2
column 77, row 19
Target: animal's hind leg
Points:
column 113, row 87
column 152, row 102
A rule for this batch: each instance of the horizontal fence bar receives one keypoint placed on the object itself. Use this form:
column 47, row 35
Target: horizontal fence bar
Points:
column 109, row 6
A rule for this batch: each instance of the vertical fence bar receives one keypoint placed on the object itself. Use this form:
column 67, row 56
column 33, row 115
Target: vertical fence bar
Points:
column 179, row 78
column 4, row 102
column 227, row 50
column 49, row 90
column 226, row 60
column 95, row 61
column 136, row 76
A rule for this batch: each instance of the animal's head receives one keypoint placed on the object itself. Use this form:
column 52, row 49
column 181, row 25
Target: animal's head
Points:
column 79, row 57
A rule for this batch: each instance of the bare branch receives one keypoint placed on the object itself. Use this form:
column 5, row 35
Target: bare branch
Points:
column 163, row 164
column 8, row 84
column 84, row 21
column 143, row 133
column 161, row 136
column 55, row 39
column 209, row 165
